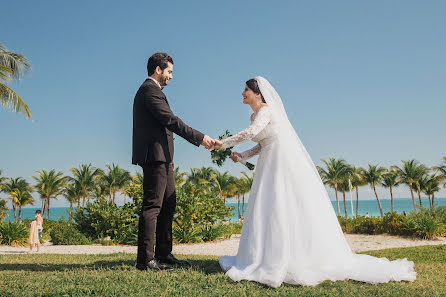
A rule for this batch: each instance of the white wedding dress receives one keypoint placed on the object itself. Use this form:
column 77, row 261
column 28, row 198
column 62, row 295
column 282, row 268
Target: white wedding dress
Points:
column 290, row 232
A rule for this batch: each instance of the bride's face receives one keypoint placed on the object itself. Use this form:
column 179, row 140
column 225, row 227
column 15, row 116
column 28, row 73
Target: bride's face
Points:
column 249, row 97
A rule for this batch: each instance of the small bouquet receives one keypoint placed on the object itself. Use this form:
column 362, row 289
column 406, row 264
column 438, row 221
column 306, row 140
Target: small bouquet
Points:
column 219, row 155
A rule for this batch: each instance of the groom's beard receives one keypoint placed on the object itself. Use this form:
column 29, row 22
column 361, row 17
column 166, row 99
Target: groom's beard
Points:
column 164, row 81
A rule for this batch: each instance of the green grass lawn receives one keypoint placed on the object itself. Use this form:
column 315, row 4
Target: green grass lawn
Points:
column 114, row 275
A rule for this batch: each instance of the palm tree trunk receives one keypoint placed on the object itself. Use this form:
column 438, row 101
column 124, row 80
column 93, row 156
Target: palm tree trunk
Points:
column 238, row 206
column 337, row 200
column 357, row 200
column 433, row 196
column 413, row 198
column 430, row 202
column 14, row 210
column 20, row 213
column 48, row 208
column 243, row 205
column 345, row 205
column 391, row 197
column 379, row 202
column 43, row 207
column 419, row 198
column 71, row 210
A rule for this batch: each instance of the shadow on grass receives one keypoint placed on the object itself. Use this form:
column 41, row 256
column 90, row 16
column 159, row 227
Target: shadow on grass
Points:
column 206, row 266
column 203, row 266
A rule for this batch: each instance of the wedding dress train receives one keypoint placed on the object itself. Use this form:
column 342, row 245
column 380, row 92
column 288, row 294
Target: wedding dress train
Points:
column 290, row 232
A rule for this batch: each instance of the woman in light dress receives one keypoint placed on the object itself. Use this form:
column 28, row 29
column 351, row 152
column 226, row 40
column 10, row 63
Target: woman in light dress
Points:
column 291, row 233
column 35, row 232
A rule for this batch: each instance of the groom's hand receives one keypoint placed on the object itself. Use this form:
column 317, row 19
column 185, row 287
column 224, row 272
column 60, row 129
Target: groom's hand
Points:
column 217, row 144
column 208, row 142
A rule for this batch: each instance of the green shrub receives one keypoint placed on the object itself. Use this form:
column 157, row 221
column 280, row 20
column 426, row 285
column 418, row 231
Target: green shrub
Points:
column 211, row 232
column 15, row 234
column 103, row 218
column 425, row 224
column 231, row 228
column 364, row 225
column 346, row 224
column 198, row 210
column 185, row 234
column 65, row 233
column 393, row 223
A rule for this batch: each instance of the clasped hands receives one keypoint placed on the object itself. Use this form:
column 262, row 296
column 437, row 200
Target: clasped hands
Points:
column 210, row 143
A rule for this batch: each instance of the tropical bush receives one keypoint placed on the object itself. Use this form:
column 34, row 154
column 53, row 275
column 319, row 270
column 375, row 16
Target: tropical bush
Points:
column 211, row 232
column 198, row 210
column 15, row 234
column 426, row 224
column 64, row 233
column 102, row 218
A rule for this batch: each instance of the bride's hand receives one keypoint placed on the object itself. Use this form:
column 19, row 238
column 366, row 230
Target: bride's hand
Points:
column 217, row 144
column 235, row 156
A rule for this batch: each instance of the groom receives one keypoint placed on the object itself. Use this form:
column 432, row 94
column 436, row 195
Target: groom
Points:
column 153, row 126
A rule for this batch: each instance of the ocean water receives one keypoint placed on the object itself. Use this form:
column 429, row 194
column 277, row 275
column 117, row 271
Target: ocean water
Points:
column 370, row 206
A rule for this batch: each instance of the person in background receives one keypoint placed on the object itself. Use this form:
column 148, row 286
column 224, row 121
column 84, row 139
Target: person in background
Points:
column 366, row 214
column 35, row 232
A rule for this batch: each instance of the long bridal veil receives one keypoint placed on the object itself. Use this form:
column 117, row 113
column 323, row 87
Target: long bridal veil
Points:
column 291, row 233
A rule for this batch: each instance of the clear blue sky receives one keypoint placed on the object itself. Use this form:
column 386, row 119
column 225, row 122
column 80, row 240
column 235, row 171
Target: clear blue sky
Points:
column 361, row 80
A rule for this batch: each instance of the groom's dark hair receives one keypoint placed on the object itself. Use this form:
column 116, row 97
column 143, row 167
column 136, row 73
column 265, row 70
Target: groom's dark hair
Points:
column 158, row 59
column 254, row 86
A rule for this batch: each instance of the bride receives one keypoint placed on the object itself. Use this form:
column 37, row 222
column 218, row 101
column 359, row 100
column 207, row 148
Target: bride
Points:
column 291, row 233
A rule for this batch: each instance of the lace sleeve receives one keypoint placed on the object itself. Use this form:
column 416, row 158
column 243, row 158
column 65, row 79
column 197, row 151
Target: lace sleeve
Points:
column 262, row 119
column 251, row 152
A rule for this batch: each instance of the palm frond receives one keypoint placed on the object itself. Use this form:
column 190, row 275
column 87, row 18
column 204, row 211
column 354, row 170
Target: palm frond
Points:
column 9, row 99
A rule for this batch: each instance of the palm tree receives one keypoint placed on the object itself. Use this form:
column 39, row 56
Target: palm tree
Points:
column 71, row 193
column 12, row 185
column 85, row 178
column 432, row 185
column 22, row 196
column 421, row 181
column 334, row 174
column 12, row 67
column 357, row 181
column 2, row 180
column 374, row 176
column 343, row 187
column 115, row 180
column 409, row 174
column 390, row 180
column 50, row 184
column 247, row 187
column 442, row 170
column 223, row 182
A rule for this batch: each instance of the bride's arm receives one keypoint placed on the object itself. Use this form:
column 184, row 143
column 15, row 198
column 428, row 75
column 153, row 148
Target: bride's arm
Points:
column 262, row 119
column 251, row 152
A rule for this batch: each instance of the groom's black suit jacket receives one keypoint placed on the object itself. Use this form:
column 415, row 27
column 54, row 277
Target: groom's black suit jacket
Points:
column 153, row 124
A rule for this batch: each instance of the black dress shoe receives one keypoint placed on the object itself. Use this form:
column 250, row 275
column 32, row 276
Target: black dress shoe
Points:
column 154, row 265
column 171, row 260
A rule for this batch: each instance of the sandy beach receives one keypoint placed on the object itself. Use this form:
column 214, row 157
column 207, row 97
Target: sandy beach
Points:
column 357, row 242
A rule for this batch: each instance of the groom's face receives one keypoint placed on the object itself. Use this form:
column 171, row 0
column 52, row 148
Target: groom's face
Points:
column 166, row 75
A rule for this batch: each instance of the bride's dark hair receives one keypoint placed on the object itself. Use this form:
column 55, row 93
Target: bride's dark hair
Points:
column 253, row 86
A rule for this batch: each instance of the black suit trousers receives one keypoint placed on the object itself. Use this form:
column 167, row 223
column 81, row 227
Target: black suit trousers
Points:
column 157, row 211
